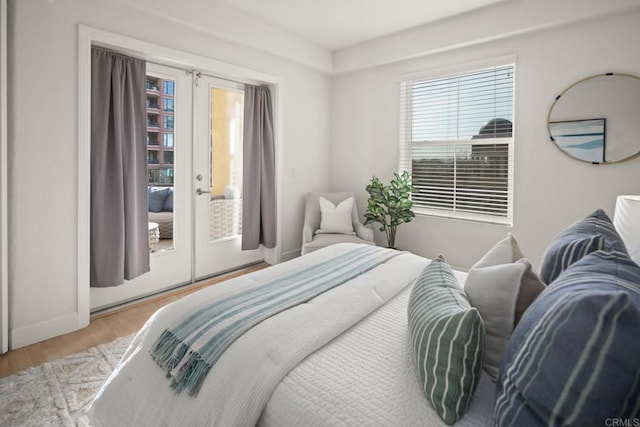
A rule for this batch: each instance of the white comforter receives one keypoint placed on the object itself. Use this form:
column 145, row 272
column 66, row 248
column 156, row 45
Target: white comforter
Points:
column 367, row 377
column 241, row 383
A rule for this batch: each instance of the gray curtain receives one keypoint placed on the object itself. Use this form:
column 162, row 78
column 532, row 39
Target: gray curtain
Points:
column 119, row 214
column 259, row 177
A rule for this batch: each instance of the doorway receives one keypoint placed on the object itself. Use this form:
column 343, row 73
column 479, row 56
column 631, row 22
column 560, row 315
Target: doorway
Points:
column 194, row 156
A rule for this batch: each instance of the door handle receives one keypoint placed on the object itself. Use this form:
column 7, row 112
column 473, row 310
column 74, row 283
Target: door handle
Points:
column 200, row 191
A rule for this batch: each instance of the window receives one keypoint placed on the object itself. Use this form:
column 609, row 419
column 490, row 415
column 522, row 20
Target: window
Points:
column 152, row 83
column 168, row 157
column 152, row 138
column 152, row 120
column 168, row 122
column 167, row 140
column 152, row 157
column 456, row 140
column 168, row 104
column 152, row 101
column 167, row 87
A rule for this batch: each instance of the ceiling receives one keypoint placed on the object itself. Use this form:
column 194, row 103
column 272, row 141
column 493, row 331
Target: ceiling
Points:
column 336, row 24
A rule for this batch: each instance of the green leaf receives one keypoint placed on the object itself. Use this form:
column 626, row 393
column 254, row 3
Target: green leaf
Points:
column 390, row 205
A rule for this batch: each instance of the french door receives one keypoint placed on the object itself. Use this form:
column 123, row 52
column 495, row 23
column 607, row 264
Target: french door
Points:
column 194, row 151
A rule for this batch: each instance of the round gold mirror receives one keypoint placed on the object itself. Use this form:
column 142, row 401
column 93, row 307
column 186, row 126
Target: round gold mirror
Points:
column 597, row 119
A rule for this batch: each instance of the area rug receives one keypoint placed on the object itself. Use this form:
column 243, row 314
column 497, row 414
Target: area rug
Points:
column 58, row 393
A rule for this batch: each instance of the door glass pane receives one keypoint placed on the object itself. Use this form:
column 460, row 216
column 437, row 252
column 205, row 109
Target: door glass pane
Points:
column 160, row 161
column 225, row 207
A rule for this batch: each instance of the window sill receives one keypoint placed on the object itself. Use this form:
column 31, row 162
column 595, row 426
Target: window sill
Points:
column 463, row 216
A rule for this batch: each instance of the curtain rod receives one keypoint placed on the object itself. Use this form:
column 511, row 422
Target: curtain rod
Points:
column 204, row 73
column 193, row 70
column 178, row 67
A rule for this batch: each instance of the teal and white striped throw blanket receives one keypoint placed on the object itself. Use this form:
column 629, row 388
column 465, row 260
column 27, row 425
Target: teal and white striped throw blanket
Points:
column 188, row 350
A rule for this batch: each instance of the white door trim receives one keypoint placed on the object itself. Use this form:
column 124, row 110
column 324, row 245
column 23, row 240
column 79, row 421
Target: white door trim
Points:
column 88, row 36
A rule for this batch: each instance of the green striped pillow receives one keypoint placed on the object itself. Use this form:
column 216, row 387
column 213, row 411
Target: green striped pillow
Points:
column 447, row 335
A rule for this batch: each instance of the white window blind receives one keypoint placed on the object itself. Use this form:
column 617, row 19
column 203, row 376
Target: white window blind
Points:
column 456, row 141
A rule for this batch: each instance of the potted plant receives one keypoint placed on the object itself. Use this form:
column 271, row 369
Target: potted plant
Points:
column 390, row 205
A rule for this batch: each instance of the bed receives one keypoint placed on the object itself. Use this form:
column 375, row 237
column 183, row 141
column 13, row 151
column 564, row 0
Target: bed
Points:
column 316, row 356
column 348, row 356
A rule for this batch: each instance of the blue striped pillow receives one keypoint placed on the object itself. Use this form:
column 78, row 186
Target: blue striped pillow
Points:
column 447, row 336
column 593, row 233
column 574, row 359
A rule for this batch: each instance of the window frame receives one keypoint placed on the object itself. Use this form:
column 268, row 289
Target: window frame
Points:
column 406, row 141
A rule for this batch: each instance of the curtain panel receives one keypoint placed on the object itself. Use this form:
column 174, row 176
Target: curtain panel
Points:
column 119, row 213
column 259, row 192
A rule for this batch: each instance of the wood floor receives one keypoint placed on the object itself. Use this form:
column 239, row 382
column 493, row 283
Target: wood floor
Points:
column 103, row 328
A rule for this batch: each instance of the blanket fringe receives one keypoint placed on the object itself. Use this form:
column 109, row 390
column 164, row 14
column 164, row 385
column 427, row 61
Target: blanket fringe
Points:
column 191, row 375
column 169, row 351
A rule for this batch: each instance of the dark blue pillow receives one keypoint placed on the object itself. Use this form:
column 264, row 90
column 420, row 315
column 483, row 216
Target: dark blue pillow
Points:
column 574, row 358
column 168, row 203
column 593, row 233
column 157, row 197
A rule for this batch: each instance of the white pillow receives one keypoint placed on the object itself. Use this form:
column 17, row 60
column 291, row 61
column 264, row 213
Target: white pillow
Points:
column 501, row 286
column 336, row 219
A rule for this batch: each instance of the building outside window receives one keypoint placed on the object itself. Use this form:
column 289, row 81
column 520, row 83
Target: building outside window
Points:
column 160, row 142
column 456, row 140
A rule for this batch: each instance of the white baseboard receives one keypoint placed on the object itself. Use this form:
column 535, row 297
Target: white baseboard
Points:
column 31, row 334
column 37, row 332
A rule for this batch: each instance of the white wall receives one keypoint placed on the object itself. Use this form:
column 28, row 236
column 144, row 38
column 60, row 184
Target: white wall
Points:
column 43, row 66
column 551, row 190
column 499, row 20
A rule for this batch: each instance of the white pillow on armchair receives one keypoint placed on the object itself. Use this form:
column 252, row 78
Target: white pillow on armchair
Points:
column 336, row 219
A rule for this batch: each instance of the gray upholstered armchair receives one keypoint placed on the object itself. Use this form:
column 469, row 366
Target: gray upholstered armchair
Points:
column 312, row 218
